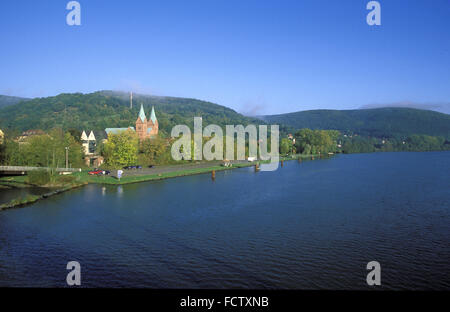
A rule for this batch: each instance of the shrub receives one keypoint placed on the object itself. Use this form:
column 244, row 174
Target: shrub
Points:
column 39, row 177
column 66, row 179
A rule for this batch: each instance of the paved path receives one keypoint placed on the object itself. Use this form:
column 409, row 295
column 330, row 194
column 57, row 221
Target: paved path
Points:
column 171, row 168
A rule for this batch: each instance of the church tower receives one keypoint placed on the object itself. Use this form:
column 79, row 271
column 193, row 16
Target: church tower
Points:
column 141, row 124
column 146, row 129
column 153, row 126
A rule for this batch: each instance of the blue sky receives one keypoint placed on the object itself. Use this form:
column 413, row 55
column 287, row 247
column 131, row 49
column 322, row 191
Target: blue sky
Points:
column 257, row 57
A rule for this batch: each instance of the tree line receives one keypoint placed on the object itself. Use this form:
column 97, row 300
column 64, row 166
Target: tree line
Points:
column 122, row 149
column 46, row 150
column 413, row 143
column 312, row 142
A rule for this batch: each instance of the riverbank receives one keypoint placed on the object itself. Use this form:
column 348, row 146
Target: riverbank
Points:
column 29, row 199
column 166, row 172
column 134, row 176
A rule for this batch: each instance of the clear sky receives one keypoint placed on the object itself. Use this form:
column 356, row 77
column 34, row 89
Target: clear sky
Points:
column 257, row 57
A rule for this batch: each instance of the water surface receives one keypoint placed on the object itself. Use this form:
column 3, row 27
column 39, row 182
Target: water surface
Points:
column 309, row 225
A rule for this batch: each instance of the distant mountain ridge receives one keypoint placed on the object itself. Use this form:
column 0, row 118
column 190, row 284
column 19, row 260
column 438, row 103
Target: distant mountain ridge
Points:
column 111, row 109
column 6, row 100
column 377, row 122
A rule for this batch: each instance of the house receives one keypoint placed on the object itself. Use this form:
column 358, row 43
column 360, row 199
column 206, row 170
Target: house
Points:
column 291, row 137
column 28, row 134
column 22, row 139
column 89, row 143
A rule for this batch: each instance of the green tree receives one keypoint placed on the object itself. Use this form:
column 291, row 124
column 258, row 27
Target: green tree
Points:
column 307, row 150
column 155, row 151
column 121, row 149
column 47, row 150
column 316, row 141
column 285, row 146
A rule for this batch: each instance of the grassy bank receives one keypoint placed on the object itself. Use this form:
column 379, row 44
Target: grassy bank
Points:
column 29, row 199
column 85, row 178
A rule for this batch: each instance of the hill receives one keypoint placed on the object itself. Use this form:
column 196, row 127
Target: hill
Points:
column 108, row 109
column 379, row 122
column 6, row 100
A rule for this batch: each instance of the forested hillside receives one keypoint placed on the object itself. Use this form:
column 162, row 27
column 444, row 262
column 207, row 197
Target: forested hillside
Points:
column 380, row 122
column 107, row 109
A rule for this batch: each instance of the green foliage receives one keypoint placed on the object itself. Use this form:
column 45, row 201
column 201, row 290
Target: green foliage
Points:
column 359, row 145
column 309, row 141
column 155, row 151
column 48, row 150
column 21, row 201
column 3, row 153
column 65, row 179
column 307, row 149
column 285, row 146
column 414, row 143
column 107, row 109
column 381, row 122
column 10, row 100
column 39, row 177
column 121, row 149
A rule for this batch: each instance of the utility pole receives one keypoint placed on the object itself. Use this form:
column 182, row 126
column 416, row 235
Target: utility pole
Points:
column 67, row 157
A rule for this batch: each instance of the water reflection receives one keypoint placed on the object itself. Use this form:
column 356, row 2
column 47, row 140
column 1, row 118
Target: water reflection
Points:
column 119, row 191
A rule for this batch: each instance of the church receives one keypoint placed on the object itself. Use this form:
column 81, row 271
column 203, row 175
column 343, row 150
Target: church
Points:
column 146, row 128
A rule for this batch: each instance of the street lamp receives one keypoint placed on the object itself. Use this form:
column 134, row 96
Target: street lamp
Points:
column 67, row 157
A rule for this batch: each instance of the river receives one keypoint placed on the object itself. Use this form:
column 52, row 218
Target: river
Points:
column 309, row 225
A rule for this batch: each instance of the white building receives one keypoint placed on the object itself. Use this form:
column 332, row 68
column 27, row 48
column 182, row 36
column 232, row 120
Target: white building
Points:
column 89, row 143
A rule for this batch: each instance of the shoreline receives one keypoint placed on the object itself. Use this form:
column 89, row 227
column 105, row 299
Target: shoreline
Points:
column 110, row 180
column 30, row 199
column 84, row 179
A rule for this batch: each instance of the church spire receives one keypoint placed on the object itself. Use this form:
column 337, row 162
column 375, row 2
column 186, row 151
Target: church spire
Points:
column 142, row 114
column 152, row 115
